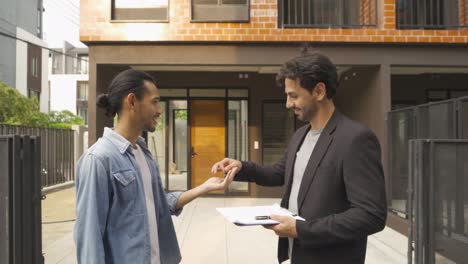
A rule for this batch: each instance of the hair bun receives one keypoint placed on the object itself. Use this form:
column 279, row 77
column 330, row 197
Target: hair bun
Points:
column 103, row 101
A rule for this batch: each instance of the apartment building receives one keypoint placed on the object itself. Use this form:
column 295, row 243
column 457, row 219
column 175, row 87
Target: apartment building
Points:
column 216, row 60
column 68, row 59
column 23, row 60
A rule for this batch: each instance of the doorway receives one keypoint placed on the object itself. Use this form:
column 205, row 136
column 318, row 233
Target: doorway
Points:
column 198, row 128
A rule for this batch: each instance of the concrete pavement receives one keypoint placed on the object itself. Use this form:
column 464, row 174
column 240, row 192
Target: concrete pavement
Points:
column 204, row 236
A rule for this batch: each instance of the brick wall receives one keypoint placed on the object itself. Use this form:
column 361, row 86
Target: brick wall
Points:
column 96, row 25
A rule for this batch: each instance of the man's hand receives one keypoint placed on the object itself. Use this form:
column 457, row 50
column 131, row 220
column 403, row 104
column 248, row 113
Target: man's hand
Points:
column 286, row 227
column 229, row 166
column 217, row 183
column 212, row 184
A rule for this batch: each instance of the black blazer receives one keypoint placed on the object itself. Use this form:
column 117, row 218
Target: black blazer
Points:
column 341, row 196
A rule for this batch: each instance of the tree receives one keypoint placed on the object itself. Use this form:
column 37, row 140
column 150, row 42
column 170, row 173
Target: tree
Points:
column 16, row 109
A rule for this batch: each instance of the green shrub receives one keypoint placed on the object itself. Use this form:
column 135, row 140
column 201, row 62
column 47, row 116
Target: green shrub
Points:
column 17, row 109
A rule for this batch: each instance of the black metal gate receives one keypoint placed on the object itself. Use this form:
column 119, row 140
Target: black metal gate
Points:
column 440, row 120
column 20, row 200
column 438, row 201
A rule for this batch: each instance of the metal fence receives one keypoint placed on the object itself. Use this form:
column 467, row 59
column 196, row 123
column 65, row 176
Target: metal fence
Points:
column 57, row 152
column 462, row 118
column 440, row 120
column 402, row 128
column 20, row 200
column 438, row 201
column 327, row 13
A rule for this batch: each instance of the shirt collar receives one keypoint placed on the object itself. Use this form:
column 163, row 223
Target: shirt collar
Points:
column 120, row 142
column 316, row 132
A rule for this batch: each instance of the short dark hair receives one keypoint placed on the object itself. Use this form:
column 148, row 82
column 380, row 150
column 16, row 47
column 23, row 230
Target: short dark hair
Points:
column 310, row 69
column 128, row 81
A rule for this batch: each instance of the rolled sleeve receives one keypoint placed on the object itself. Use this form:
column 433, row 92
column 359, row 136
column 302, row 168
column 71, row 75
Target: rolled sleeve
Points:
column 172, row 199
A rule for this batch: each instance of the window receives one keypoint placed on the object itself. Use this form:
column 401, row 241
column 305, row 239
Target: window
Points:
column 328, row 13
column 33, row 93
column 220, row 2
column 34, row 67
column 220, row 10
column 75, row 66
column 82, row 91
column 71, row 65
column 34, row 78
column 275, row 137
column 48, row 101
column 207, row 93
column 140, row 10
column 239, row 93
column 40, row 8
column 430, row 14
column 83, row 64
column 57, row 63
column 83, row 113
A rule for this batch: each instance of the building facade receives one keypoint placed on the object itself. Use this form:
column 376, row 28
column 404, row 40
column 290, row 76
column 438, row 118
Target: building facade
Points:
column 68, row 60
column 216, row 60
column 23, row 59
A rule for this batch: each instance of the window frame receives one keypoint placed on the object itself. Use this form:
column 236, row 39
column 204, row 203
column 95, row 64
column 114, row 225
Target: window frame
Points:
column 78, row 113
column 116, row 20
column 78, row 86
column 80, row 59
column 193, row 6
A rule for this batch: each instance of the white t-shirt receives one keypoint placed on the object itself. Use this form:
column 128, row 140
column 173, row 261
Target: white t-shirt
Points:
column 302, row 158
column 152, row 222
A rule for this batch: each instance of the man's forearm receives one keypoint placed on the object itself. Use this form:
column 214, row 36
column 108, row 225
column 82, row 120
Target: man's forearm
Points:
column 272, row 175
column 188, row 196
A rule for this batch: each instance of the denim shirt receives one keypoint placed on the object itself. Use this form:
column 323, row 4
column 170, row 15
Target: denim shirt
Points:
column 111, row 222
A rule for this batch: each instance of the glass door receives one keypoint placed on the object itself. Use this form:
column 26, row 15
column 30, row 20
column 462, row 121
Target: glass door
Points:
column 177, row 158
column 157, row 144
column 168, row 145
column 238, row 138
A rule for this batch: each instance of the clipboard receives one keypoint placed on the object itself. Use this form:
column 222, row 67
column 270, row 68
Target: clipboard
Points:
column 245, row 216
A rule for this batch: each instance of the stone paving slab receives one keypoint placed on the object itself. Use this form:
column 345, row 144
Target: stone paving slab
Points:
column 205, row 237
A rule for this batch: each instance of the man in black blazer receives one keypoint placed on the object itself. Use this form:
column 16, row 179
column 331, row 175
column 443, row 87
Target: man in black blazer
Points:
column 332, row 170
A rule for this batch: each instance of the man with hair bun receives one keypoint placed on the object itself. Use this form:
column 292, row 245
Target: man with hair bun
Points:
column 123, row 214
column 331, row 168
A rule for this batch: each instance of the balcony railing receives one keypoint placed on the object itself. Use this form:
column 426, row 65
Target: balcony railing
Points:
column 432, row 14
column 327, row 13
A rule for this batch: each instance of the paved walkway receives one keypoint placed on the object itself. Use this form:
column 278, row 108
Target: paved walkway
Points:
column 222, row 242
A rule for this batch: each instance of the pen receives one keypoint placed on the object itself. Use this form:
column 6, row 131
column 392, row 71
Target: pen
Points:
column 266, row 217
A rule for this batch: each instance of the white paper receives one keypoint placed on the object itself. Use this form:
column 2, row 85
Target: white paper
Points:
column 246, row 215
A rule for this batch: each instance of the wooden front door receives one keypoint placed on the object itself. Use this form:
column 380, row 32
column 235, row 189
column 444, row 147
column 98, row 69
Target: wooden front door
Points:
column 208, row 138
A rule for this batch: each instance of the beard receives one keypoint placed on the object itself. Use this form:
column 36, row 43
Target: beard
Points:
column 308, row 112
column 150, row 126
